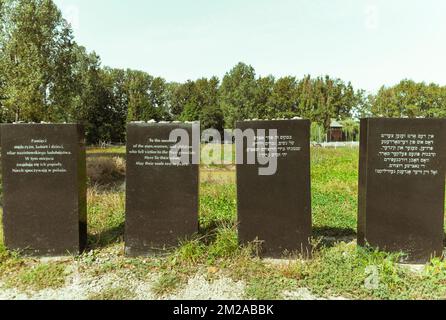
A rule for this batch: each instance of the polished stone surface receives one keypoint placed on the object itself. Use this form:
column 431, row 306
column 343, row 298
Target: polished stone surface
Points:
column 161, row 198
column 44, row 188
column 276, row 209
column 402, row 186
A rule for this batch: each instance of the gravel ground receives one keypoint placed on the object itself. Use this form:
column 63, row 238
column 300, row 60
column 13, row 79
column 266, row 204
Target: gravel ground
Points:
column 197, row 288
column 77, row 288
column 305, row 294
column 81, row 288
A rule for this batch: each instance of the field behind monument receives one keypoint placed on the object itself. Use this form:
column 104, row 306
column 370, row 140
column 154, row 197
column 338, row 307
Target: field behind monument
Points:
column 212, row 264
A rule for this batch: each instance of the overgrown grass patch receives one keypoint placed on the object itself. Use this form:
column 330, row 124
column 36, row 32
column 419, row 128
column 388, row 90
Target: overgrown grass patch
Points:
column 106, row 216
column 113, row 294
column 106, row 171
column 10, row 263
column 334, row 191
column 270, row 287
column 39, row 276
column 218, row 206
column 354, row 272
column 119, row 149
column 168, row 282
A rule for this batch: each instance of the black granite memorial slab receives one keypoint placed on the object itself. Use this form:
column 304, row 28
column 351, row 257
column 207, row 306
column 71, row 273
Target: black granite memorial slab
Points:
column 402, row 186
column 162, row 197
column 44, row 188
column 275, row 209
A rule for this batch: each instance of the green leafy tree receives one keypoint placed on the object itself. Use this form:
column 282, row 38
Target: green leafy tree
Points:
column 148, row 97
column 410, row 99
column 263, row 92
column 237, row 94
column 333, row 99
column 350, row 128
column 317, row 133
column 137, row 86
column 37, row 55
column 158, row 99
column 92, row 103
column 307, row 106
column 180, row 95
column 283, row 101
column 202, row 103
column 113, row 82
column 46, row 76
column 211, row 115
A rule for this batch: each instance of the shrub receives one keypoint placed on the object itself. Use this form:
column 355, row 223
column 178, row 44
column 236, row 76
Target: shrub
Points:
column 105, row 171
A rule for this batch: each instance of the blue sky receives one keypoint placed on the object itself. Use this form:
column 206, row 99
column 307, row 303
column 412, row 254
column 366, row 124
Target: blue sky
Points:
column 367, row 42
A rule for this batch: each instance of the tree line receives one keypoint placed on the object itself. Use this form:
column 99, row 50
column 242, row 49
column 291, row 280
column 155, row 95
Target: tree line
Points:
column 47, row 77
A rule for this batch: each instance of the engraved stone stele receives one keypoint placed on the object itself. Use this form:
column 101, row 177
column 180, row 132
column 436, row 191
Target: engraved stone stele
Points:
column 44, row 188
column 402, row 186
column 275, row 209
column 161, row 196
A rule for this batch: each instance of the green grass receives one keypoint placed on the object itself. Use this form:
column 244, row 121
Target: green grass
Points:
column 106, row 216
column 269, row 287
column 334, row 191
column 217, row 155
column 209, row 153
column 167, row 283
column 114, row 294
column 95, row 150
column 39, row 276
column 343, row 270
column 337, row 268
column 10, row 263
